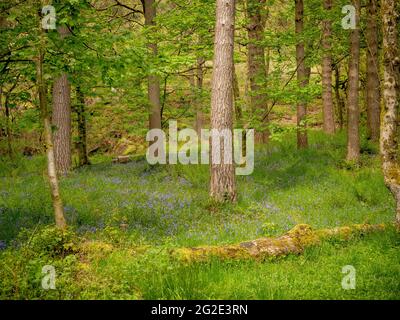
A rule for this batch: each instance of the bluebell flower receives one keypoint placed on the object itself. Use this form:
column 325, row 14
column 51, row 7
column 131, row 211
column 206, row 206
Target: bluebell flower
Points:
column 3, row 245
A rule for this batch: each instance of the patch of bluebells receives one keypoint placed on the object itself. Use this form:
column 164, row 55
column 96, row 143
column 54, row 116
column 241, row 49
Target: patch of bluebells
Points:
column 269, row 206
column 87, row 229
column 113, row 180
column 4, row 193
column 182, row 181
column 3, row 245
column 163, row 201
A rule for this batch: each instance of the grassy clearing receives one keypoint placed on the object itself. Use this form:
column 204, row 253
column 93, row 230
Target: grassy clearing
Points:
column 167, row 206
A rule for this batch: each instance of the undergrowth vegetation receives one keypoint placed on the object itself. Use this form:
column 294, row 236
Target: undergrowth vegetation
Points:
column 124, row 218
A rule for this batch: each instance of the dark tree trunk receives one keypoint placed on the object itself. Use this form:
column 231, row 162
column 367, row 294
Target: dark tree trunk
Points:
column 222, row 184
column 199, row 121
column 328, row 110
column 302, row 140
column 236, row 96
column 82, row 136
column 339, row 99
column 372, row 61
column 353, row 110
column 256, row 63
column 8, row 128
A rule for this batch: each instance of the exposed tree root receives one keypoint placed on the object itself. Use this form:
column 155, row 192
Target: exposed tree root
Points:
column 293, row 242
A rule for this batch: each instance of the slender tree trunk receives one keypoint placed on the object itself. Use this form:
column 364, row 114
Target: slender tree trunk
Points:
column 199, row 99
column 222, row 185
column 8, row 128
column 51, row 163
column 61, row 118
column 238, row 108
column 82, row 136
column 236, row 96
column 353, row 110
column 372, row 61
column 302, row 140
column 389, row 135
column 153, row 80
column 256, row 63
column 338, row 97
column 328, row 110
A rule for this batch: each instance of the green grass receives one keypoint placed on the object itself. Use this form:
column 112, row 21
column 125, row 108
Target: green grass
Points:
column 168, row 206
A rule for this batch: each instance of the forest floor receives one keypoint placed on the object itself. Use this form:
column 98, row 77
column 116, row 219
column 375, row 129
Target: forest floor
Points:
column 125, row 218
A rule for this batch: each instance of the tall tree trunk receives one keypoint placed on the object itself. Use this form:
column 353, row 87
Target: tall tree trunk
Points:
column 199, row 99
column 338, row 97
column 236, row 97
column 389, row 135
column 256, row 63
column 372, row 61
column 238, row 108
column 302, row 140
column 153, row 90
column 353, row 110
column 82, row 136
column 8, row 128
column 328, row 111
column 222, row 185
column 51, row 163
column 61, row 118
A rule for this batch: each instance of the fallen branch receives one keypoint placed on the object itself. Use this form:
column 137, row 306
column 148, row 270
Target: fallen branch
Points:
column 293, row 242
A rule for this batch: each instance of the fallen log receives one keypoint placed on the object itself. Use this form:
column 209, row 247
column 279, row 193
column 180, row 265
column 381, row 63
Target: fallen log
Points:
column 293, row 242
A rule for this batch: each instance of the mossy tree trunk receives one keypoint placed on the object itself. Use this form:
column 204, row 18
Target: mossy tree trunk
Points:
column 389, row 140
column 293, row 242
column 48, row 136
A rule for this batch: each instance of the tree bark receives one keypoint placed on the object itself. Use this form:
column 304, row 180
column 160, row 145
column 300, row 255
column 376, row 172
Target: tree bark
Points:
column 48, row 136
column 339, row 100
column 328, row 111
column 153, row 80
column 389, row 135
column 199, row 121
column 256, row 64
column 8, row 128
column 236, row 96
column 302, row 140
column 222, row 184
column 353, row 111
column 372, row 61
column 293, row 242
column 82, row 136
column 61, row 118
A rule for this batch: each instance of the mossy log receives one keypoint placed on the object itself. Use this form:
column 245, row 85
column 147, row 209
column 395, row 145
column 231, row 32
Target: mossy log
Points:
column 293, row 242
